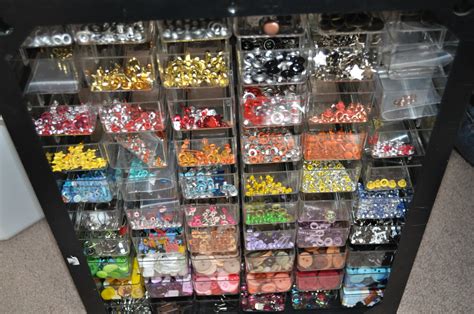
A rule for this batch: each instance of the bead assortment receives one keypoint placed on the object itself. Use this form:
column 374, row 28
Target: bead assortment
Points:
column 342, row 113
column 269, row 282
column 144, row 146
column 220, row 284
column 321, row 258
column 194, row 118
column 331, row 145
column 359, row 277
column 109, row 267
column 256, row 239
column 111, row 33
column 207, row 183
column 263, row 107
column 210, row 216
column 156, row 217
column 213, row 240
column 265, row 213
column 312, row 300
column 384, row 183
column 128, row 118
column 132, row 76
column 272, row 302
column 270, row 146
column 318, row 280
column 383, row 232
column 208, row 154
column 327, row 177
column 191, row 30
column 76, row 157
column 169, row 286
column 65, row 120
column 269, row 261
column 255, row 186
column 91, row 187
column 273, row 67
column 390, row 148
column 192, row 71
column 48, row 37
column 379, row 204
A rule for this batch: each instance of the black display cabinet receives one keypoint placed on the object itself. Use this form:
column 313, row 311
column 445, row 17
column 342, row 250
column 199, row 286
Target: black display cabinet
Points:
column 19, row 17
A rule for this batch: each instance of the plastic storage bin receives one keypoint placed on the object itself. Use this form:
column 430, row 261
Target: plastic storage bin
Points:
column 364, row 296
column 319, row 280
column 174, row 31
column 206, row 152
column 162, row 215
column 269, row 282
column 274, row 302
column 49, row 36
column 212, row 240
column 283, row 105
column 157, row 186
column 110, row 267
column 55, row 120
column 260, row 213
column 267, row 32
column 270, row 237
column 80, row 157
column 361, row 277
column 87, row 187
column 330, row 176
column 132, row 117
column 386, row 176
column 270, row 146
column 270, row 261
column 160, row 255
column 213, row 265
column 324, row 258
column 119, row 289
column 381, row 204
column 54, row 74
column 410, row 98
column 201, row 114
column 273, row 67
column 138, row 32
column 178, row 70
column 313, row 300
column 222, row 284
column 377, row 257
column 332, row 103
column 204, row 183
column 134, row 72
column 271, row 183
column 122, row 149
column 365, row 232
column 169, row 286
column 333, row 145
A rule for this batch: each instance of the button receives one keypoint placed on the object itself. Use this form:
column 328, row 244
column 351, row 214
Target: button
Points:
column 202, row 285
column 322, row 261
column 338, row 260
column 305, row 260
column 204, row 264
column 282, row 282
column 232, row 266
column 329, row 279
column 282, row 258
column 271, row 28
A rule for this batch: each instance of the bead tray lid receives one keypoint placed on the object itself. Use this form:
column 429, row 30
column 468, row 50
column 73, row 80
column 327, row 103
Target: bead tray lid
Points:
column 325, row 211
column 211, row 215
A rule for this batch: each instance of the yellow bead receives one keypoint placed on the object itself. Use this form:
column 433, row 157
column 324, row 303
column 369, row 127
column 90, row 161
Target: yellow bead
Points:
column 402, row 183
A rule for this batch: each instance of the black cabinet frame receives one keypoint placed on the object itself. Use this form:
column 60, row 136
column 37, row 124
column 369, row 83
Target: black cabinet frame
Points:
column 23, row 15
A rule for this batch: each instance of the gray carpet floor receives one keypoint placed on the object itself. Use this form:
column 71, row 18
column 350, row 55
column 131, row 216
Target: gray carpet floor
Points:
column 34, row 279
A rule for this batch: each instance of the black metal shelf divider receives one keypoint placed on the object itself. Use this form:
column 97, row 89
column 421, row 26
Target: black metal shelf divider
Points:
column 19, row 17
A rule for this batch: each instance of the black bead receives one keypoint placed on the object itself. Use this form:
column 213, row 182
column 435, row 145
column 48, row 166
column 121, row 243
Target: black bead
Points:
column 247, row 45
column 273, row 70
column 286, row 74
column 270, row 64
column 269, row 44
column 297, row 59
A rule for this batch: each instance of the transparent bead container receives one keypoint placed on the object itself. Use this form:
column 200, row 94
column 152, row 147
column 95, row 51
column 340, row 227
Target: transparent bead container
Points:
column 271, row 183
column 150, row 215
column 324, row 223
column 220, row 284
column 54, row 120
column 87, row 187
column 178, row 31
column 273, row 106
column 206, row 152
column 132, row 72
column 110, row 267
column 137, row 32
column 325, row 258
column 330, row 176
column 319, row 280
column 270, row 261
column 386, row 175
column 366, row 277
column 415, row 49
column 169, row 286
column 49, row 36
column 267, row 33
column 160, row 255
column 121, row 289
column 149, row 148
column 78, row 157
column 260, row 213
column 118, row 117
column 217, row 263
column 208, row 183
column 262, row 283
column 273, row 67
column 347, row 103
column 365, row 296
column 270, row 237
column 202, row 114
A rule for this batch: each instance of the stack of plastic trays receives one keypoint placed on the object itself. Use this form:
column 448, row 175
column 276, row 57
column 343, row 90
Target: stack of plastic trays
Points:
column 202, row 114
column 273, row 76
column 345, row 57
column 122, row 84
